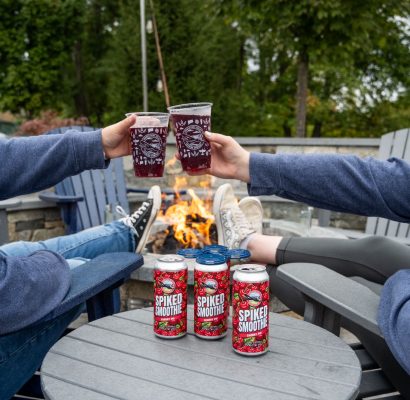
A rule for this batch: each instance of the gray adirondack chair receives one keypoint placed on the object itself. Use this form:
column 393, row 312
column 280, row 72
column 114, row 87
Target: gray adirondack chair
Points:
column 329, row 297
column 85, row 198
column 393, row 144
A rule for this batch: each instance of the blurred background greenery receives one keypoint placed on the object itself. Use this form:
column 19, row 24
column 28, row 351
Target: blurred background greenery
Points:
column 329, row 68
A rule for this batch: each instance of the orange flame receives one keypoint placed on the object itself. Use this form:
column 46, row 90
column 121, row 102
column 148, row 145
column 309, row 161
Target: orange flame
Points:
column 191, row 219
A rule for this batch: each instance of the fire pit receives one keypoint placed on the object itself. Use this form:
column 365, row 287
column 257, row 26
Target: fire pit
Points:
column 184, row 221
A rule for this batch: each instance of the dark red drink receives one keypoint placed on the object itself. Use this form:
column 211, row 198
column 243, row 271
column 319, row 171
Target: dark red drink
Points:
column 148, row 150
column 190, row 122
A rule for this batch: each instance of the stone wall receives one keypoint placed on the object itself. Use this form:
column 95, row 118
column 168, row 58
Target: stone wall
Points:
column 34, row 224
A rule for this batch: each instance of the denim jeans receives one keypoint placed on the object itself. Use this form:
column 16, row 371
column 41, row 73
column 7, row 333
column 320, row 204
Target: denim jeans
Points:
column 22, row 352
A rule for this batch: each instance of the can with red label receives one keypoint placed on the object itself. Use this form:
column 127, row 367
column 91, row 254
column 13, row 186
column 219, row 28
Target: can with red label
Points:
column 170, row 297
column 211, row 290
column 250, row 302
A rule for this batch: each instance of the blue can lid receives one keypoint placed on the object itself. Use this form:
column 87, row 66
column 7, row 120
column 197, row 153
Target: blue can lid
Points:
column 189, row 253
column 211, row 259
column 215, row 248
column 221, row 252
column 239, row 253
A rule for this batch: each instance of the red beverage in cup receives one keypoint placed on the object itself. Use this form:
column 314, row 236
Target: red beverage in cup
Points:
column 148, row 143
column 190, row 122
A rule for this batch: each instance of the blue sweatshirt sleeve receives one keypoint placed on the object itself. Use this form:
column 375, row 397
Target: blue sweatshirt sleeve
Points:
column 394, row 316
column 343, row 183
column 30, row 288
column 35, row 163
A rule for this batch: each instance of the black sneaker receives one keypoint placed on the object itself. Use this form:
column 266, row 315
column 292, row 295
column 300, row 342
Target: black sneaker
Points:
column 141, row 220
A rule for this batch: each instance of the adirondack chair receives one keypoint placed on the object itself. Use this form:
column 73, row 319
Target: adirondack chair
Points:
column 97, row 281
column 393, row 144
column 329, row 297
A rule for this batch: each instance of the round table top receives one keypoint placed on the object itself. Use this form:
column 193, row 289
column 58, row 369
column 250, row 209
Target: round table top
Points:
column 119, row 357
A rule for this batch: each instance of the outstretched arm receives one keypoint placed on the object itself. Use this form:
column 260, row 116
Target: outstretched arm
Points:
column 31, row 164
column 343, row 183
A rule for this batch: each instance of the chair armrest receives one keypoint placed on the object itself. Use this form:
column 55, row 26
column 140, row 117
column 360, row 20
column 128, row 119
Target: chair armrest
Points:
column 93, row 277
column 52, row 197
column 10, row 203
column 342, row 295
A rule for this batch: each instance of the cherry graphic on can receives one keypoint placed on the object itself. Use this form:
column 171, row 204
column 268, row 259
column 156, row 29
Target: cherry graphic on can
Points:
column 250, row 303
column 211, row 290
column 170, row 297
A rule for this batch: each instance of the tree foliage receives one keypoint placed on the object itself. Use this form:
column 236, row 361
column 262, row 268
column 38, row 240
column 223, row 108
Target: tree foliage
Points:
column 271, row 67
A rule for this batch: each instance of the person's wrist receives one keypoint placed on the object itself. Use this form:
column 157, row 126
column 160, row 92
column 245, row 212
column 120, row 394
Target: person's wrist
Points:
column 243, row 168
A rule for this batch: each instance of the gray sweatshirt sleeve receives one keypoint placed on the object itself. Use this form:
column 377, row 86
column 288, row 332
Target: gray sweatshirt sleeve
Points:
column 31, row 164
column 343, row 183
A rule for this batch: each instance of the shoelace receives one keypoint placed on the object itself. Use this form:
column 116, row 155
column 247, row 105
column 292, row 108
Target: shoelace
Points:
column 130, row 220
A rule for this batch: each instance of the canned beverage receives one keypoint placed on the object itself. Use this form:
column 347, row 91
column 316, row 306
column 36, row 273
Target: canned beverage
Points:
column 239, row 256
column 250, row 321
column 215, row 248
column 211, row 289
column 189, row 253
column 170, row 297
column 218, row 249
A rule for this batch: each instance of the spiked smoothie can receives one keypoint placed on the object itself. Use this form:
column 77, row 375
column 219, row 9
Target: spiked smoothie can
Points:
column 190, row 121
column 170, row 297
column 250, row 303
column 211, row 290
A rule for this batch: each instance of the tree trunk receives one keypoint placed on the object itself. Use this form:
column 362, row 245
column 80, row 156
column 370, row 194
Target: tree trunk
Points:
column 301, row 95
column 317, row 129
column 241, row 63
column 79, row 97
column 286, row 130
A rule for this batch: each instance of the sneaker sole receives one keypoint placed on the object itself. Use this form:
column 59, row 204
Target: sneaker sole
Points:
column 156, row 205
column 216, row 207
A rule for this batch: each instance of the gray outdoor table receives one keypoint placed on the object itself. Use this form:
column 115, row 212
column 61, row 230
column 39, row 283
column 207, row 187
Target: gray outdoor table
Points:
column 119, row 357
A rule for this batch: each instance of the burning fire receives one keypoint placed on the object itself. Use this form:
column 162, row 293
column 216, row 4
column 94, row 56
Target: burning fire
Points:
column 191, row 219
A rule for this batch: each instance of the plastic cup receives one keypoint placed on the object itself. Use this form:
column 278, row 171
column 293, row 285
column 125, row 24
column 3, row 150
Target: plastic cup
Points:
column 190, row 122
column 148, row 143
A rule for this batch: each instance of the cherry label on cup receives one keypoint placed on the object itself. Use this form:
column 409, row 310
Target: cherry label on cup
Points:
column 250, row 322
column 170, row 298
column 211, row 291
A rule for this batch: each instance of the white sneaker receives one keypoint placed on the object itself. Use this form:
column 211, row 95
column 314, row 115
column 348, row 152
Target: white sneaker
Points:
column 231, row 223
column 141, row 220
column 252, row 208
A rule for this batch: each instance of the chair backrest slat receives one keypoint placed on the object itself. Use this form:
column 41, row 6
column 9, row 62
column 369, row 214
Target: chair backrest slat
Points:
column 394, row 144
column 83, row 219
column 109, row 185
column 90, row 200
column 120, row 184
column 100, row 196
